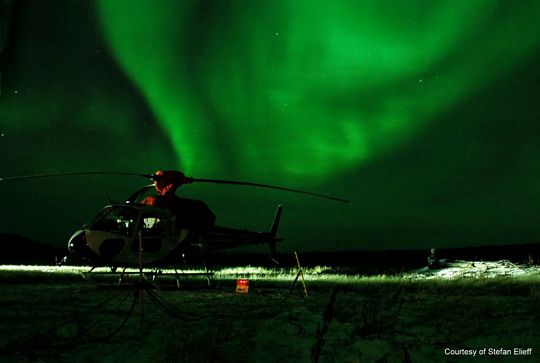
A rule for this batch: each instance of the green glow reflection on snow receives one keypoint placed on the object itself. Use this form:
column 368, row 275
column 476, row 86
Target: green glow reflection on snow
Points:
column 300, row 89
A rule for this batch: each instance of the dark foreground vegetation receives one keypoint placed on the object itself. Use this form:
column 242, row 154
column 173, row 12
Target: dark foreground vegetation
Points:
column 56, row 318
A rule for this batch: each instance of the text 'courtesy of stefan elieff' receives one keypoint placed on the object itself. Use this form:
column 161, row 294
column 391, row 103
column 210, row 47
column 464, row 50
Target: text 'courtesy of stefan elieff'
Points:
column 489, row 351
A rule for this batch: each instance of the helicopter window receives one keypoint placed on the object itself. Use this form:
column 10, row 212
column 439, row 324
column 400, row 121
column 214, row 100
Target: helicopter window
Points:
column 154, row 225
column 117, row 220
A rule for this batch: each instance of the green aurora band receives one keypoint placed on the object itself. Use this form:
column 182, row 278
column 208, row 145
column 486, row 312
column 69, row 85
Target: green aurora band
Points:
column 300, row 91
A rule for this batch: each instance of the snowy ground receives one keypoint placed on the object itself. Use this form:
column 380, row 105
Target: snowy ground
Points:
column 422, row 316
column 478, row 269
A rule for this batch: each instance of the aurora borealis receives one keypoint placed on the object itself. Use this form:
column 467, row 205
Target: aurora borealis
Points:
column 333, row 84
column 423, row 114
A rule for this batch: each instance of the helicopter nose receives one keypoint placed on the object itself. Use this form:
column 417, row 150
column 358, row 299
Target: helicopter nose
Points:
column 77, row 243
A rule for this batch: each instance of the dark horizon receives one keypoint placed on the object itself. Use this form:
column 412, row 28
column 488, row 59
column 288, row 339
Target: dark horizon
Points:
column 19, row 250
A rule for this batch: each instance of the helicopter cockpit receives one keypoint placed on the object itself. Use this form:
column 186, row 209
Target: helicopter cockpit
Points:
column 120, row 232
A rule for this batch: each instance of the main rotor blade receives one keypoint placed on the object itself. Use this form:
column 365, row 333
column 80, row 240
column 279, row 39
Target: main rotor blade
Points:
column 268, row 186
column 154, row 177
column 13, row 178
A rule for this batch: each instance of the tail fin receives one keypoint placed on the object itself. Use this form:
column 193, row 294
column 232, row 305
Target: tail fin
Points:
column 273, row 232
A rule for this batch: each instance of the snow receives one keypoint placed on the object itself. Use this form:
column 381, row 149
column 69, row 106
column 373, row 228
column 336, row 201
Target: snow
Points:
column 477, row 269
column 413, row 317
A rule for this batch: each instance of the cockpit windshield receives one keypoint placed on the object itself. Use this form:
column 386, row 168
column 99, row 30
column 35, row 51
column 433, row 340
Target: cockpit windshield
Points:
column 117, row 220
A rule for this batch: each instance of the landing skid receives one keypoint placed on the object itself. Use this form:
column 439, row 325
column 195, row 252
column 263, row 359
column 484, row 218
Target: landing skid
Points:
column 152, row 278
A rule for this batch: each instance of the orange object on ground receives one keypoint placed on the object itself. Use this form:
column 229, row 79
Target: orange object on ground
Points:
column 242, row 286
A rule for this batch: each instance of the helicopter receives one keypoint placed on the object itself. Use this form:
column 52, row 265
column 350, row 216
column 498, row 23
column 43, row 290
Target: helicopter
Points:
column 153, row 231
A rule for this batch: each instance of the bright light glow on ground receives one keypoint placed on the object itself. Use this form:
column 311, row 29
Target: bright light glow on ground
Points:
column 48, row 269
column 477, row 269
column 451, row 271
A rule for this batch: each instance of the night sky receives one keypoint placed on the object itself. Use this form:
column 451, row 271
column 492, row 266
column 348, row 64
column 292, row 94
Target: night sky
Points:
column 424, row 114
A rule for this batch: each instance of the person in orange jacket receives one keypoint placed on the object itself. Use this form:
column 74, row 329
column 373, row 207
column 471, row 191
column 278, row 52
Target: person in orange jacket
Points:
column 166, row 182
